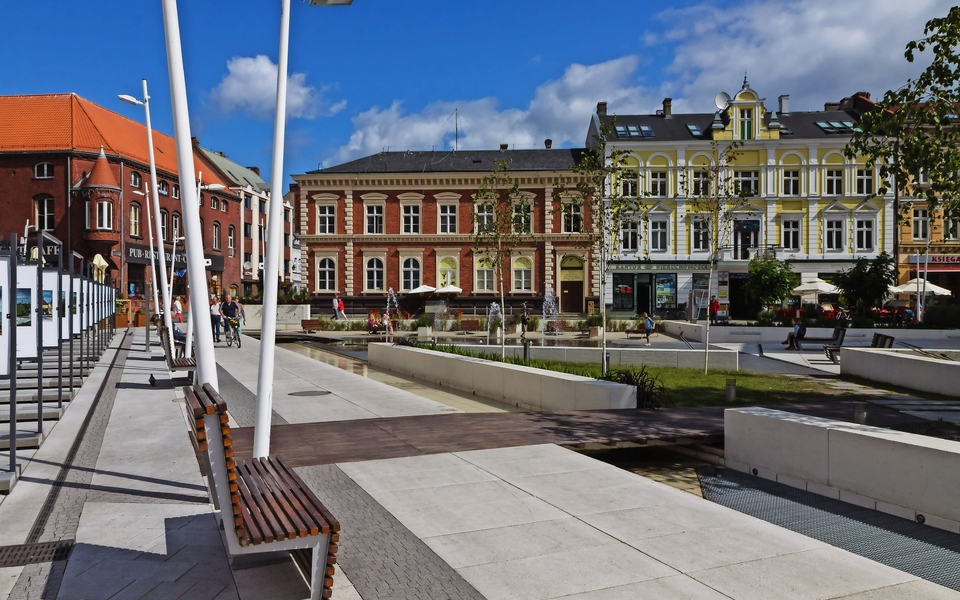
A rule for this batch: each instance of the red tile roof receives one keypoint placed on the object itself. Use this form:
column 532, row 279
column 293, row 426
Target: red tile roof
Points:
column 67, row 122
column 101, row 176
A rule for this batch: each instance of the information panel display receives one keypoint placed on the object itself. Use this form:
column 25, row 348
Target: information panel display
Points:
column 26, row 294
column 4, row 311
column 50, row 308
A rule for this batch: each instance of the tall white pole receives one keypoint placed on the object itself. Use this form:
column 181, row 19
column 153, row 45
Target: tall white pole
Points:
column 190, row 207
column 268, row 328
column 153, row 263
column 167, row 319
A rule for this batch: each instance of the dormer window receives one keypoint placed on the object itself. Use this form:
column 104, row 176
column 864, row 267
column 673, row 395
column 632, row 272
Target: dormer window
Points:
column 43, row 171
column 694, row 130
column 746, row 123
column 634, row 131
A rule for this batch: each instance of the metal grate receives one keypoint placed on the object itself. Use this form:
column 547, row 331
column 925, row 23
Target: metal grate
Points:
column 926, row 552
column 30, row 554
column 310, row 393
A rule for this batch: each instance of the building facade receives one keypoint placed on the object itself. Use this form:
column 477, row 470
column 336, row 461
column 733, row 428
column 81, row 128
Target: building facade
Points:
column 81, row 172
column 930, row 248
column 399, row 220
column 808, row 202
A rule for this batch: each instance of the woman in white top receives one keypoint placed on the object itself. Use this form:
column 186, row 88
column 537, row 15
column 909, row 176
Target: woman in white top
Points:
column 215, row 317
column 178, row 310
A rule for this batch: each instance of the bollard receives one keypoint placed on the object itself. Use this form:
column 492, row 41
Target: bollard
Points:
column 606, row 362
column 526, row 351
column 860, row 413
column 731, row 391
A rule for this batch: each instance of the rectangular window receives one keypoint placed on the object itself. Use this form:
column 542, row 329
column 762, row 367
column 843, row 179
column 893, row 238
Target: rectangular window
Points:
column 791, row 183
column 411, row 218
column 231, row 239
column 375, row 219
column 573, row 218
column 176, row 227
column 286, row 240
column 248, row 230
column 864, row 182
column 247, row 202
column 746, row 124
column 629, row 237
column 448, row 218
column 658, row 236
column 834, row 182
column 835, row 235
column 286, row 266
column 484, row 282
column 629, row 185
column 214, row 203
column 522, row 219
column 701, row 183
column 326, row 222
column 921, row 224
column 135, row 220
column 216, row 236
column 286, row 215
column 263, row 207
column 45, row 213
column 484, row 219
column 748, row 182
column 865, row 234
column 658, row 183
column 247, row 257
column 791, row 234
column 105, row 215
column 701, row 235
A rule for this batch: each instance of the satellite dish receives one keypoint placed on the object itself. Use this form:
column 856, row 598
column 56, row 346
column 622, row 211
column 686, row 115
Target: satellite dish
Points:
column 260, row 266
column 722, row 100
column 247, row 266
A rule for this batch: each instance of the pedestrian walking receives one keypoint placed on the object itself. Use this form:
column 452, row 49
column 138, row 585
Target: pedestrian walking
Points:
column 714, row 309
column 340, row 313
column 336, row 306
column 524, row 319
column 215, row 317
column 648, row 326
column 178, row 310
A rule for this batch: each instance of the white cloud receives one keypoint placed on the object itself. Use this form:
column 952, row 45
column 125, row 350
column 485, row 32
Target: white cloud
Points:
column 815, row 50
column 559, row 111
column 250, row 86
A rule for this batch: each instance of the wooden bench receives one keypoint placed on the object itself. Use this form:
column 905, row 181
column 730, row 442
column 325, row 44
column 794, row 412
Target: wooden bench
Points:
column 376, row 328
column 470, row 325
column 175, row 362
column 263, row 504
column 642, row 332
column 310, row 325
column 880, row 340
column 836, row 339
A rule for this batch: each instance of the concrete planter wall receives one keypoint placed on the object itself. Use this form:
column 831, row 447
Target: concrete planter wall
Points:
column 723, row 334
column 898, row 473
column 902, row 368
column 524, row 387
column 693, row 359
column 288, row 316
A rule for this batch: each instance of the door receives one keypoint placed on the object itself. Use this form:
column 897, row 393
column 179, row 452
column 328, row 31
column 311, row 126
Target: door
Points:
column 741, row 306
column 571, row 297
column 643, row 298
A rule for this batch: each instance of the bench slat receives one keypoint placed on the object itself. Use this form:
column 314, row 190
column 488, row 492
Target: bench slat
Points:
column 292, row 475
column 307, row 497
column 310, row 521
column 281, row 500
column 254, row 528
column 281, row 528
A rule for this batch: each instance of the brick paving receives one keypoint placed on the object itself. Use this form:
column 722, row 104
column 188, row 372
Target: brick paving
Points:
column 380, row 556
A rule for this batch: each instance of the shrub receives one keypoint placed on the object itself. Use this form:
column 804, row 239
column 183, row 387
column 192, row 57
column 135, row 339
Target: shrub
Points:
column 534, row 323
column 766, row 318
column 651, row 393
column 942, row 317
column 423, row 320
column 862, row 322
column 593, row 321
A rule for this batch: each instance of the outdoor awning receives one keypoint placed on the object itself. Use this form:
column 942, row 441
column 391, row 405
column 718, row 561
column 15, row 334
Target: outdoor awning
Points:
column 917, row 286
column 423, row 289
column 816, row 286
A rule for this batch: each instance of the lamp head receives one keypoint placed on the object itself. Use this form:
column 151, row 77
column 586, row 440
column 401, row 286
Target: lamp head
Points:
column 130, row 100
column 215, row 187
column 331, row 2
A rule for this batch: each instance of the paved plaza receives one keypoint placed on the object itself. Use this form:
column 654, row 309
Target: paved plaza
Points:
column 118, row 482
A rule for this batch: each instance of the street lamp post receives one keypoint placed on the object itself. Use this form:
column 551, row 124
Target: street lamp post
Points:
column 156, row 210
column 271, row 264
column 197, row 313
column 153, row 266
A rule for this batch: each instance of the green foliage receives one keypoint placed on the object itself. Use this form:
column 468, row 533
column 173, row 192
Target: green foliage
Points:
column 913, row 129
column 534, row 323
column 651, row 393
column 766, row 318
column 865, row 285
column 593, row 321
column 770, row 280
column 423, row 320
column 942, row 317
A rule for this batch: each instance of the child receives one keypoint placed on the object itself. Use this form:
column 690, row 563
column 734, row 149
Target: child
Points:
column 648, row 326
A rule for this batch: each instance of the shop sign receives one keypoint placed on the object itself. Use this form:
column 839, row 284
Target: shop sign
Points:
column 934, row 259
column 652, row 266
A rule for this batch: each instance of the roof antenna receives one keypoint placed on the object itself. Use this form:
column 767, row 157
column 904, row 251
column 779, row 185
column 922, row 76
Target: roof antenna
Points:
column 745, row 84
column 456, row 129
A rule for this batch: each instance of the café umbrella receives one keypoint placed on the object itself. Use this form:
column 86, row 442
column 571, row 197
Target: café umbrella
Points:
column 423, row 289
column 815, row 286
column 918, row 286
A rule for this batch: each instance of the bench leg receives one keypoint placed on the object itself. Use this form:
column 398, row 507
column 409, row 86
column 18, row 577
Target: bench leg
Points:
column 318, row 567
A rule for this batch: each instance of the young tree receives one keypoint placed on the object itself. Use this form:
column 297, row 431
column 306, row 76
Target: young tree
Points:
column 598, row 194
column 502, row 220
column 769, row 279
column 716, row 198
column 867, row 283
column 912, row 133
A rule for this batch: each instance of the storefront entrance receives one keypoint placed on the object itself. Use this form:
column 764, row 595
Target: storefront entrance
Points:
column 741, row 306
column 571, row 285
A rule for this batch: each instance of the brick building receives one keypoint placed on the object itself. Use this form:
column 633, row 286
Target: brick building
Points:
column 404, row 219
column 81, row 172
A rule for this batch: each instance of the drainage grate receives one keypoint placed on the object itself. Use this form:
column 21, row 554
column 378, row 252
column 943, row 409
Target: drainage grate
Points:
column 31, row 554
column 310, row 393
column 926, row 552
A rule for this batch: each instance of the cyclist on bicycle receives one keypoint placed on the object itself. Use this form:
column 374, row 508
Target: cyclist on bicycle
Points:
column 230, row 312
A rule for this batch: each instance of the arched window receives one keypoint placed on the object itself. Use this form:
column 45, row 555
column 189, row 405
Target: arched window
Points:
column 176, row 227
column 163, row 187
column 176, row 191
column 411, row 274
column 232, row 240
column 43, row 171
column 135, row 220
column 216, row 235
column 448, row 271
column 522, row 275
column 44, row 206
column 375, row 274
column 326, row 274
column 163, row 225
column 136, row 180
column 214, row 203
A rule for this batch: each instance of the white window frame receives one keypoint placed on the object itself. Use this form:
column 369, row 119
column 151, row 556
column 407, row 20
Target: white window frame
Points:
column 367, row 259
column 41, row 218
column 865, row 182
column 697, row 243
column 659, row 184
column 791, row 182
column 513, row 273
column 43, row 170
column 658, row 234
column 319, row 266
column 701, row 183
column 859, row 220
column 407, row 267
column 441, row 270
column 177, row 226
column 746, row 124
column 231, row 240
column 136, row 222
column 477, row 278
column 528, row 206
column 795, row 232
column 136, row 180
column 163, row 188
column 629, row 183
column 164, row 225
column 216, row 235
column 410, row 216
column 447, row 218
column 833, row 182
column 951, row 226
column 326, row 223
column 920, row 224
column 572, row 218
column 748, row 175
column 834, row 237
column 105, row 215
column 629, row 237
column 374, row 211
column 488, row 212
column 176, row 191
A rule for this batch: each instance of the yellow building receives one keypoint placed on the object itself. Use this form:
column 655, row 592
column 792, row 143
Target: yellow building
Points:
column 810, row 204
column 930, row 247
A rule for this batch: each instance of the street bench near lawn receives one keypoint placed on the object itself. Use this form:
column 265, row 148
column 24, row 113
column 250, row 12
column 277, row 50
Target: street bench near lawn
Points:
column 880, row 340
column 263, row 504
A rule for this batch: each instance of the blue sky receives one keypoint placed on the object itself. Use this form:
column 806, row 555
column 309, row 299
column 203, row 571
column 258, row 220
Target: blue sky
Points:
column 389, row 73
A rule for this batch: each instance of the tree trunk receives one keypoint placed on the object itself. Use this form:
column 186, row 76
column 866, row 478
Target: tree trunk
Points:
column 706, row 337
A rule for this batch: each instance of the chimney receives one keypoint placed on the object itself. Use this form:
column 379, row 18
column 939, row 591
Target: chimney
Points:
column 601, row 109
column 831, row 106
column 784, row 104
column 503, row 147
column 668, row 108
column 548, row 143
column 255, row 169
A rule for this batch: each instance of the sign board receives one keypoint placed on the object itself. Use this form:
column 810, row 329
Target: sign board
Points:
column 63, row 308
column 50, row 308
column 75, row 304
column 4, row 316
column 26, row 294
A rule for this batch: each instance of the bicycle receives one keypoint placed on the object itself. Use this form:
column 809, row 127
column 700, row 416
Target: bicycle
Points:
column 233, row 331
